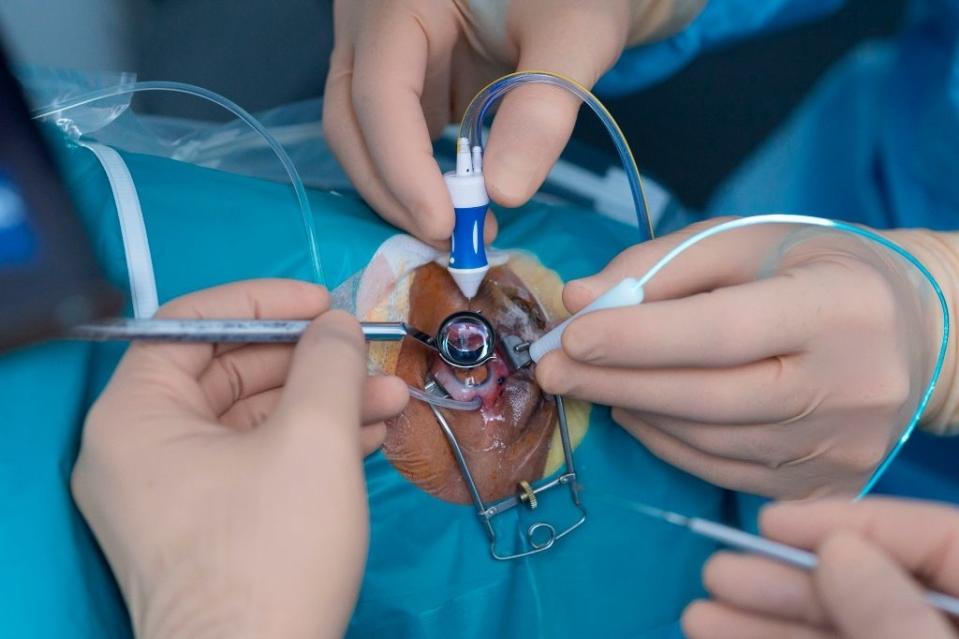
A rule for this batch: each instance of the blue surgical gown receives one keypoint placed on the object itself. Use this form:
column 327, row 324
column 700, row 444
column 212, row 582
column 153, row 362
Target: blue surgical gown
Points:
column 877, row 142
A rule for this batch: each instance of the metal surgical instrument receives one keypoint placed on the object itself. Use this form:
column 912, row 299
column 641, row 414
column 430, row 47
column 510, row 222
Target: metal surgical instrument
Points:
column 742, row 540
column 527, row 495
column 464, row 340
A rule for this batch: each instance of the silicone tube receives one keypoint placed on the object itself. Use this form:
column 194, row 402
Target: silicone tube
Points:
column 445, row 402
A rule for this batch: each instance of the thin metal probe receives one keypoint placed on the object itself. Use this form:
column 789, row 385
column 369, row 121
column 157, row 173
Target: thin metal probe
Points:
column 247, row 332
column 735, row 538
column 455, row 341
column 447, row 342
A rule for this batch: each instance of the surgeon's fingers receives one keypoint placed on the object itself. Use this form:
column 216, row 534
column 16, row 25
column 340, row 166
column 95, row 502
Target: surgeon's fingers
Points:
column 372, row 437
column 253, row 299
column 711, row 620
column 342, row 132
column 384, row 397
column 764, row 587
column 730, row 326
column 763, row 392
column 922, row 536
column 435, row 99
column 391, row 62
column 723, row 260
column 491, row 229
column 321, row 403
column 244, row 372
column 765, row 444
column 728, row 473
column 252, row 411
column 870, row 596
column 533, row 123
column 340, row 126
column 243, row 400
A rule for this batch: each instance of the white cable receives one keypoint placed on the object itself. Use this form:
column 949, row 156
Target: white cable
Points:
column 136, row 245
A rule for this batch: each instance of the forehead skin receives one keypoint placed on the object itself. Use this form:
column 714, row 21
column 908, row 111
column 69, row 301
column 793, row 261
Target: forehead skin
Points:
column 504, row 443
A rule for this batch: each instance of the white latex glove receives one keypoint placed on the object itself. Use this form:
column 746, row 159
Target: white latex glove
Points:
column 875, row 557
column 790, row 386
column 404, row 69
column 225, row 484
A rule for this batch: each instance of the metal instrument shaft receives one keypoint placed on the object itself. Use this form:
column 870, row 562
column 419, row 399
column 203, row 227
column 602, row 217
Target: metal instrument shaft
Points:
column 742, row 540
column 464, row 340
column 222, row 331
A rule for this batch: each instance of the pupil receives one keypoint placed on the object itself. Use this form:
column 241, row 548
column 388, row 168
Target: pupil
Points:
column 466, row 341
column 467, row 338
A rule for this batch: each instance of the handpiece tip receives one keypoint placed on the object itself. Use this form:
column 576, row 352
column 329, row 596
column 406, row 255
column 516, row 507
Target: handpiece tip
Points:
column 468, row 280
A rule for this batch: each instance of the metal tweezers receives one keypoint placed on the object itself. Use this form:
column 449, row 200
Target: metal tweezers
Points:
column 526, row 496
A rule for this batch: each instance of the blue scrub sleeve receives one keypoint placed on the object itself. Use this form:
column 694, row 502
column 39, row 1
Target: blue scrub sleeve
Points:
column 720, row 22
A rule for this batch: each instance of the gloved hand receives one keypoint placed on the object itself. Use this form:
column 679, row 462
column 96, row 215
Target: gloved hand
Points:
column 402, row 70
column 792, row 385
column 863, row 587
column 225, row 484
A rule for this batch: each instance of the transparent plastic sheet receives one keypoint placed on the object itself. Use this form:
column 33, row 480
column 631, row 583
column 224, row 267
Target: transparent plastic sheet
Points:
column 47, row 88
column 76, row 113
column 298, row 127
column 232, row 146
column 229, row 146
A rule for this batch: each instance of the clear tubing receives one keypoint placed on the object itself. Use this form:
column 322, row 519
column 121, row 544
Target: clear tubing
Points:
column 476, row 112
column 445, row 402
column 189, row 89
column 808, row 220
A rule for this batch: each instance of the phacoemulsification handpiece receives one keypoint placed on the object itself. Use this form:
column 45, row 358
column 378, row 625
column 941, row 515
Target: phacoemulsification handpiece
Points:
column 628, row 292
column 468, row 264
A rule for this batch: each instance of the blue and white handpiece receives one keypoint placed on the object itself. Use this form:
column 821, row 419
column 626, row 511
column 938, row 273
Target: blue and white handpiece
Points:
column 468, row 264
